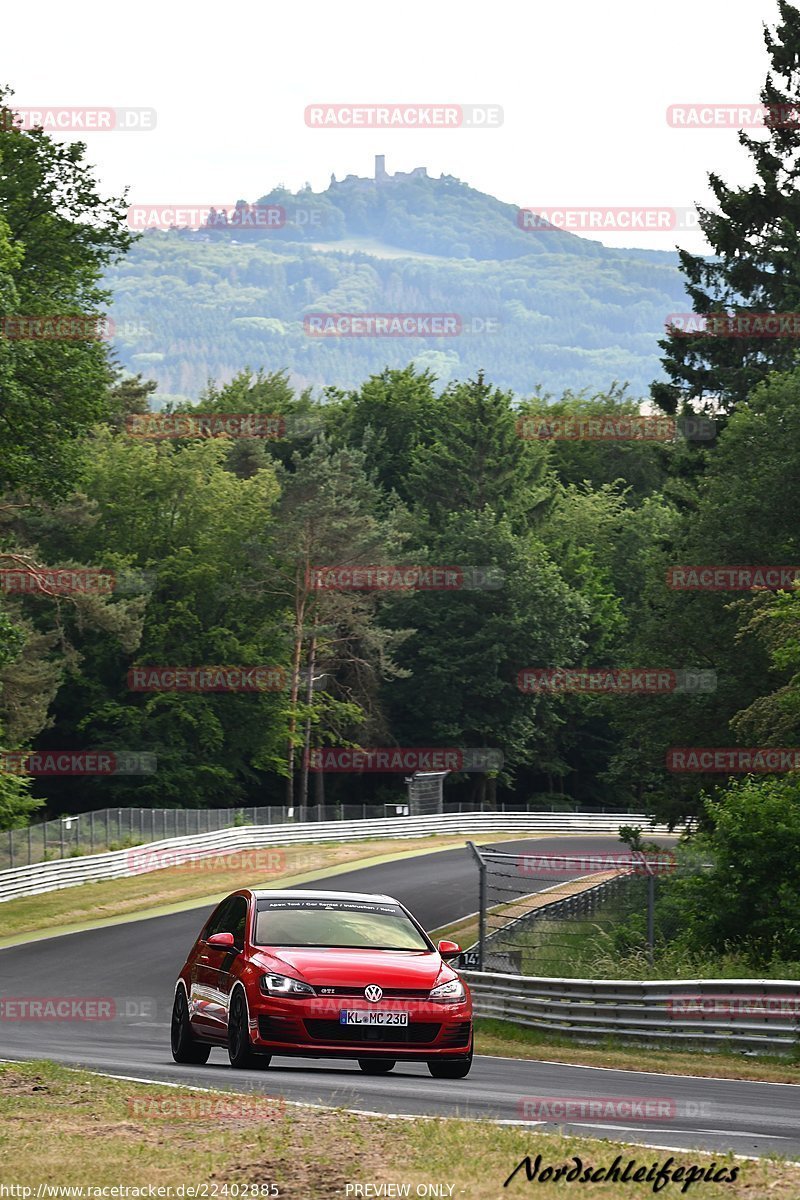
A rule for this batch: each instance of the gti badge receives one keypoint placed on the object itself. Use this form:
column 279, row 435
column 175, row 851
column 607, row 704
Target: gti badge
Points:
column 373, row 993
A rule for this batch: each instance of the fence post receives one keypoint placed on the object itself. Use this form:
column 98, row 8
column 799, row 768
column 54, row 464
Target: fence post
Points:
column 61, row 830
column 91, row 831
column 11, row 846
column 651, row 904
column 29, row 844
column 481, row 904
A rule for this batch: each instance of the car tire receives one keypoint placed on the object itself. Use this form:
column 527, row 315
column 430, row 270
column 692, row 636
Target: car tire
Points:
column 184, row 1047
column 377, row 1066
column 450, row 1068
column 240, row 1050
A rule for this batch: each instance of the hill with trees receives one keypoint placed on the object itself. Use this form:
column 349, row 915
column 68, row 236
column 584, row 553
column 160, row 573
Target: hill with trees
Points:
column 539, row 309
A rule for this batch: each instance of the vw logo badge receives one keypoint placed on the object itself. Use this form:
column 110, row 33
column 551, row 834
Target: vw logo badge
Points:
column 373, row 993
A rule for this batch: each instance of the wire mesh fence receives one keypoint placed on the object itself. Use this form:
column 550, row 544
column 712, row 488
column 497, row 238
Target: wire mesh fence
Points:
column 117, row 828
column 563, row 915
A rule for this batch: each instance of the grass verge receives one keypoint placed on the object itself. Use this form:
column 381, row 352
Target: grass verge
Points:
column 73, row 1129
column 207, row 880
column 508, row 1040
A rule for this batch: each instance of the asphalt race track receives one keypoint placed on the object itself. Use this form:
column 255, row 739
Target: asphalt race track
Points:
column 136, row 963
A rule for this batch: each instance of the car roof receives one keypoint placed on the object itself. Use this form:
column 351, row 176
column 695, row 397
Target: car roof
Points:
column 299, row 894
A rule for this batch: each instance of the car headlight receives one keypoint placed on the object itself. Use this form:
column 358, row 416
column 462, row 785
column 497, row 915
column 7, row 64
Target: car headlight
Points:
column 284, row 985
column 449, row 993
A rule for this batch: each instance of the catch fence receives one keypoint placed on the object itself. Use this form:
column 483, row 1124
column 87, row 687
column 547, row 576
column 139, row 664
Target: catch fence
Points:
column 545, row 914
column 117, row 828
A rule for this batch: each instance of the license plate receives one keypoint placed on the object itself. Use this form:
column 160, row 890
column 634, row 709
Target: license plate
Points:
column 360, row 1016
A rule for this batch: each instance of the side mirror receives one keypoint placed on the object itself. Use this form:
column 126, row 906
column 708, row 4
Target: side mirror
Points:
column 222, row 941
column 449, row 949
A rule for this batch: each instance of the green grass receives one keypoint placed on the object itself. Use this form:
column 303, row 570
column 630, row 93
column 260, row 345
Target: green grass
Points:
column 508, row 1040
column 205, row 881
column 72, row 1128
column 608, row 945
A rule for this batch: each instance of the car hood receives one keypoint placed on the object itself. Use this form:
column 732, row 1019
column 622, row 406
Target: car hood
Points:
column 341, row 968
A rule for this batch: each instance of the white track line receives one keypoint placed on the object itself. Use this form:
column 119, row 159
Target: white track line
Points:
column 550, row 1062
column 366, row 1112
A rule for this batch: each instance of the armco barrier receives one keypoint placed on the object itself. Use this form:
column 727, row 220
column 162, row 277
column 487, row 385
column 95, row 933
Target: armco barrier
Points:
column 593, row 1009
column 115, row 864
column 102, row 829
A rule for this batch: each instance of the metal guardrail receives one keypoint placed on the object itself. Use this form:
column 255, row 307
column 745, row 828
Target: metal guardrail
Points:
column 115, row 828
column 115, row 864
column 754, row 1014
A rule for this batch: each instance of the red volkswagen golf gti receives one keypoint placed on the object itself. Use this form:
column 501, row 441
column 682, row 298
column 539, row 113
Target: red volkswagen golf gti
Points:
column 322, row 975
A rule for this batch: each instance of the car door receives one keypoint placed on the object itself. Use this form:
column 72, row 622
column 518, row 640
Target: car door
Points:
column 226, row 974
column 208, row 1011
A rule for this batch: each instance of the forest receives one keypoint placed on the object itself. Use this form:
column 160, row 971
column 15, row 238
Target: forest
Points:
column 539, row 310
column 571, row 551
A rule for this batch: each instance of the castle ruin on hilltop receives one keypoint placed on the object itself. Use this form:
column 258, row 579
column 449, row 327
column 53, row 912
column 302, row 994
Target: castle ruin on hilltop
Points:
column 382, row 176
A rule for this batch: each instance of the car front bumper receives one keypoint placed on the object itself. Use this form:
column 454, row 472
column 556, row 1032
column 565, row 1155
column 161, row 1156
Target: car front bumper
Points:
column 313, row 1028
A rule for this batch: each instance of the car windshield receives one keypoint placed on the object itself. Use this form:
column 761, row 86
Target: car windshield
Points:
column 351, row 924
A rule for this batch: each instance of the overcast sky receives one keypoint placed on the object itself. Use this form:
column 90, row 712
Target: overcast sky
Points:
column 584, row 87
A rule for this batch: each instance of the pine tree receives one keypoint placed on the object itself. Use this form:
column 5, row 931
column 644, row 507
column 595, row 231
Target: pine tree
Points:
column 755, row 266
column 474, row 457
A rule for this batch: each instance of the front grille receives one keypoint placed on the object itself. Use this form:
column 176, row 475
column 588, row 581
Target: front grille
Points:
column 416, row 1033
column 388, row 993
